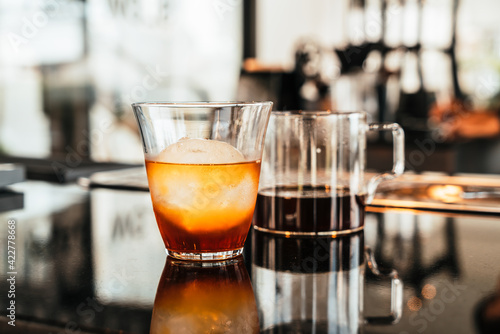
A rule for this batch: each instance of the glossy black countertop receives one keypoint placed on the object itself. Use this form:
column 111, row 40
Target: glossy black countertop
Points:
column 93, row 262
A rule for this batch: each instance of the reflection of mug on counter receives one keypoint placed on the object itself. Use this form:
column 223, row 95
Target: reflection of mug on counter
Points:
column 313, row 172
column 315, row 285
column 201, row 297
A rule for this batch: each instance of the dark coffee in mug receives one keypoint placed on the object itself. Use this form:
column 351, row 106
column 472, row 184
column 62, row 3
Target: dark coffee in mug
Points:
column 313, row 179
column 309, row 209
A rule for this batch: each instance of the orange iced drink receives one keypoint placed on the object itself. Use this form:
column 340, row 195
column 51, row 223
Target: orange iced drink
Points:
column 203, row 195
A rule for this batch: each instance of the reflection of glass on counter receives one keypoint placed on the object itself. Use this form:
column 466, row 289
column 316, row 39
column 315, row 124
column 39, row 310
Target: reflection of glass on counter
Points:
column 202, row 297
column 316, row 285
column 308, row 284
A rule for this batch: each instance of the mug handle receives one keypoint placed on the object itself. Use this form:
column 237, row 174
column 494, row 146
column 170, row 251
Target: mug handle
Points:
column 396, row 292
column 398, row 156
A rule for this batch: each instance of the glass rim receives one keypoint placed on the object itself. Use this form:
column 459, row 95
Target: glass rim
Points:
column 200, row 104
column 316, row 113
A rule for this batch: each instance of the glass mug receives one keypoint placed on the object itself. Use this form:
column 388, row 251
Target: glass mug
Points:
column 203, row 165
column 202, row 297
column 316, row 285
column 313, row 178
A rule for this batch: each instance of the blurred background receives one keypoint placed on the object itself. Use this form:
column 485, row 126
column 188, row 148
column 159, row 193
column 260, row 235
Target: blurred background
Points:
column 69, row 70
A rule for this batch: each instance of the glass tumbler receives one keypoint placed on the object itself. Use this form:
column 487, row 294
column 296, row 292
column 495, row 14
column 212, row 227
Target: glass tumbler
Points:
column 203, row 165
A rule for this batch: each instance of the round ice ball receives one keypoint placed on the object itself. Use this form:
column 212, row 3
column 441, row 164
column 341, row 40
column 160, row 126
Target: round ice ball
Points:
column 200, row 151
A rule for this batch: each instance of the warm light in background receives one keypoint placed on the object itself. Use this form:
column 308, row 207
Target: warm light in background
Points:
column 414, row 304
column 429, row 291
